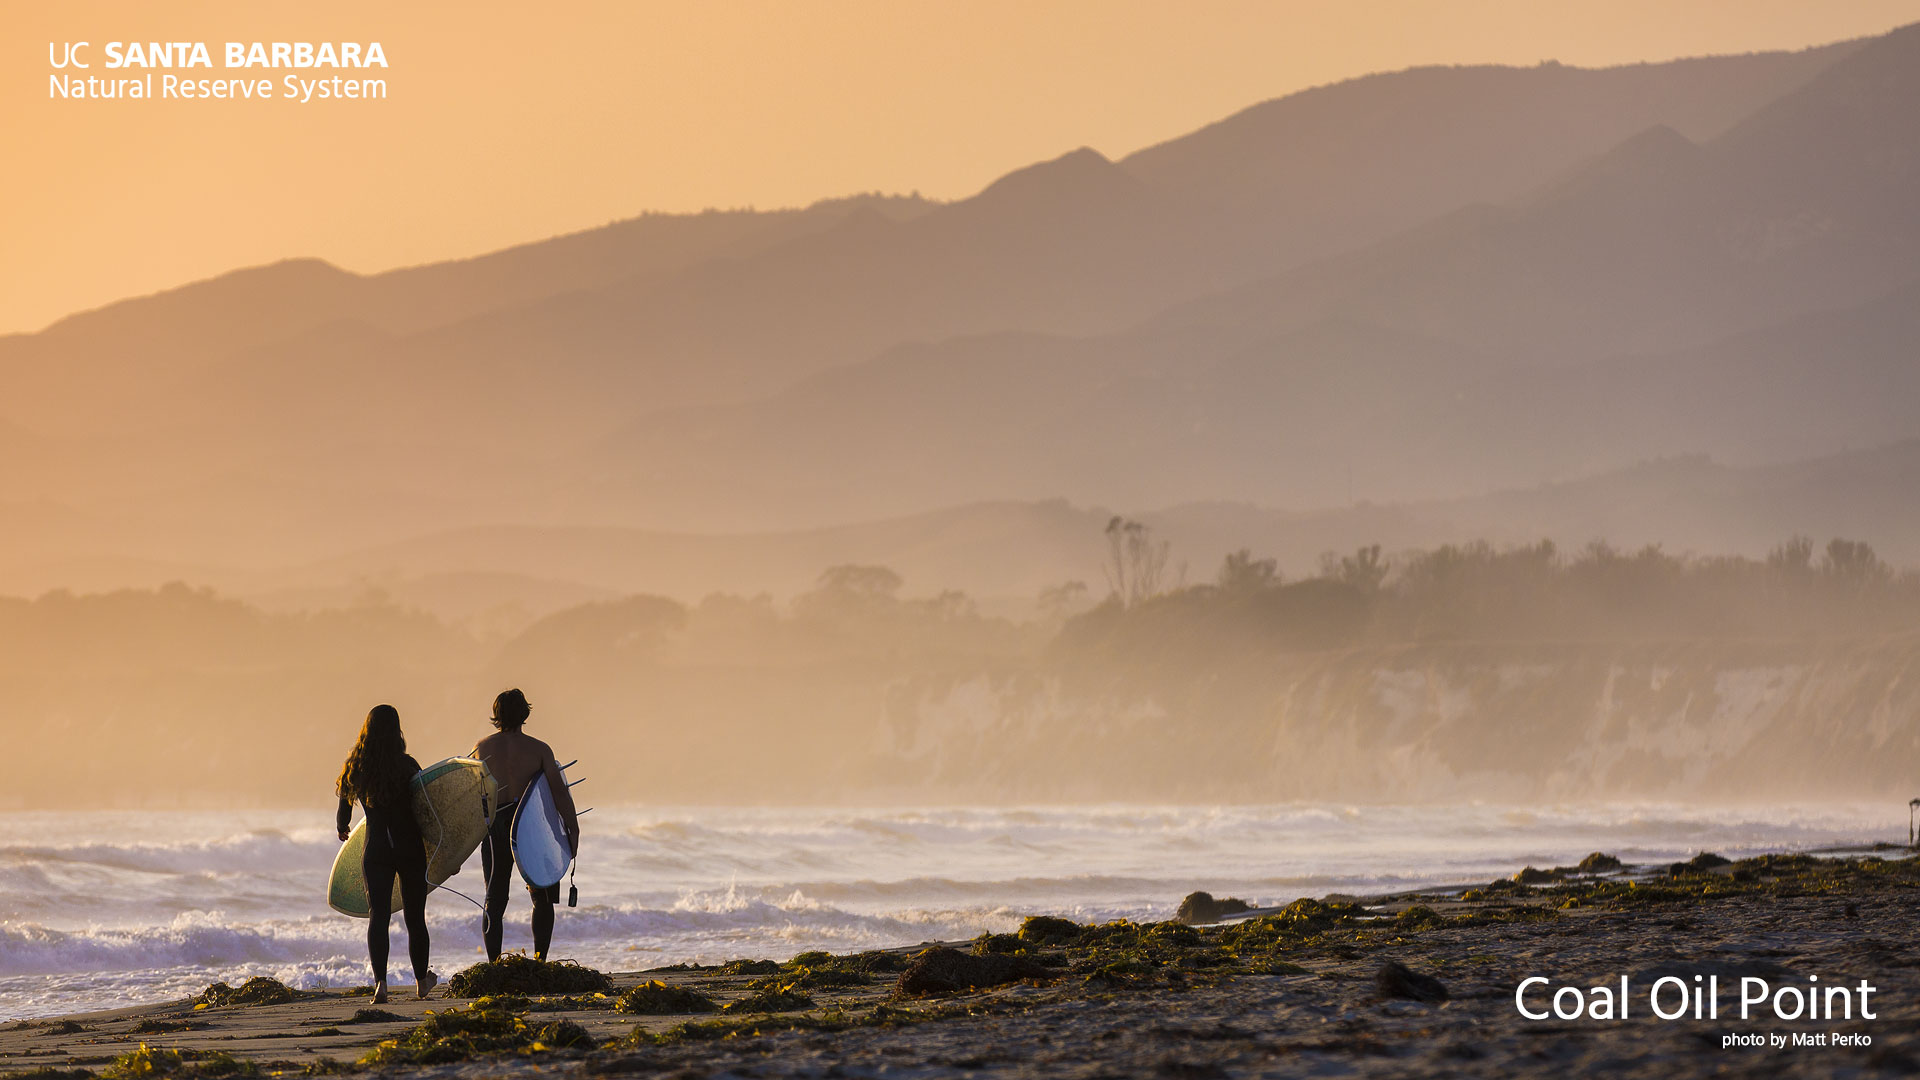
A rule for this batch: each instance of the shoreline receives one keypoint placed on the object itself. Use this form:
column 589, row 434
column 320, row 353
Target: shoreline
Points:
column 1268, row 990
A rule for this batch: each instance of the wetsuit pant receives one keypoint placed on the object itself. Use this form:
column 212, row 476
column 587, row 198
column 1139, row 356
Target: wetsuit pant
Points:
column 496, row 865
column 408, row 862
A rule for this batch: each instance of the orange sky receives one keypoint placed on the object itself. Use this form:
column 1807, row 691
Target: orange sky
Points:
column 513, row 121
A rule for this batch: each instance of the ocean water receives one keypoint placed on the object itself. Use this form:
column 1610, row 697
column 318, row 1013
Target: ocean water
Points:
column 104, row 909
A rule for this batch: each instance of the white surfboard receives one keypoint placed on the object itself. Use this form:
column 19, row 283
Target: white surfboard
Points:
column 453, row 800
column 540, row 837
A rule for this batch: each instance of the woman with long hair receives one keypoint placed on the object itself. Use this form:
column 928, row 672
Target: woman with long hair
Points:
column 378, row 776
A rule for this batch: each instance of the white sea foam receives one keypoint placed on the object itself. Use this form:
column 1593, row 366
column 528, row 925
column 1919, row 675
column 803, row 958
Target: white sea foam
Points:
column 106, row 909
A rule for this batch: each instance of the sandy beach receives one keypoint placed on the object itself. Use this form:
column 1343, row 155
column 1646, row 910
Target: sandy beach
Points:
column 1289, row 992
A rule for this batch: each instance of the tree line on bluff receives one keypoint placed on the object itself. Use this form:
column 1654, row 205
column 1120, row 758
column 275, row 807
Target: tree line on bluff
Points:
column 1452, row 592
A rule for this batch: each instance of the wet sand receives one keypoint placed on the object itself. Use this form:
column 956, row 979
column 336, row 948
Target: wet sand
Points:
column 1189, row 1020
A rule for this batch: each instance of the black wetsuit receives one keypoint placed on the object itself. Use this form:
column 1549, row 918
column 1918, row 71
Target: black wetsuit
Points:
column 496, row 865
column 395, row 848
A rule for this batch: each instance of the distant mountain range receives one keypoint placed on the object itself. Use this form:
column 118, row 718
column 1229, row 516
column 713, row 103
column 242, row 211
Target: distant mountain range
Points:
column 1003, row 554
column 1468, row 297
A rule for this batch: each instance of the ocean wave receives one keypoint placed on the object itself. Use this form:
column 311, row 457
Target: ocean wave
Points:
column 252, row 852
column 210, row 941
column 203, row 942
column 116, row 908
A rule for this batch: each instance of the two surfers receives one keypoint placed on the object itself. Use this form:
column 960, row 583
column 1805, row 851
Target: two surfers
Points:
column 378, row 773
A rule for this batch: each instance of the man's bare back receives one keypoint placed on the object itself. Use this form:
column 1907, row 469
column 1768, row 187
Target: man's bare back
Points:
column 515, row 758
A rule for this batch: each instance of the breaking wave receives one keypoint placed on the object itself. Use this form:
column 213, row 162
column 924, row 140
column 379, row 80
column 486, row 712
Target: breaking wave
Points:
column 104, row 910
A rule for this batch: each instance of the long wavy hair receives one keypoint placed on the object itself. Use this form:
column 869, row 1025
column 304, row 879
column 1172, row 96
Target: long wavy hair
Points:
column 375, row 772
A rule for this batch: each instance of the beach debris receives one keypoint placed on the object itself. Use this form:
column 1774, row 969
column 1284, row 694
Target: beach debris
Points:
column 1598, row 863
column 988, row 944
column 943, row 971
column 151, row 1061
column 661, row 999
column 749, row 967
column 878, row 961
column 1201, row 907
column 491, row 1025
column 1296, row 924
column 1704, row 863
column 153, row 1026
column 770, row 1000
column 515, row 973
column 1047, row 930
column 258, row 990
column 62, row 1027
column 1419, row 917
column 826, row 976
column 571, row 1002
column 1396, row 980
column 372, row 1016
column 1533, row 876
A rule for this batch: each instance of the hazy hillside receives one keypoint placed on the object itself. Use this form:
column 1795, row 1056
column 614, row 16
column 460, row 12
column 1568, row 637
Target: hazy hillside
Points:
column 1741, row 297
column 86, row 372
column 286, row 413
column 1005, row 554
column 1330, row 169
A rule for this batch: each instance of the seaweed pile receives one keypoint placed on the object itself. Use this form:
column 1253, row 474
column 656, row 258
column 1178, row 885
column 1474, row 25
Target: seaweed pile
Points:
column 258, row 990
column 491, row 1025
column 656, row 998
column 518, row 974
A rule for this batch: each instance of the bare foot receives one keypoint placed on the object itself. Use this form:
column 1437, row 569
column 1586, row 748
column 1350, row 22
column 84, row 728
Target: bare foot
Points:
column 428, row 982
column 380, row 992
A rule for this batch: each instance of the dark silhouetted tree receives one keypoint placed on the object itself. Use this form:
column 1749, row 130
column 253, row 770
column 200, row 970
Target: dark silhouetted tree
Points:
column 1364, row 569
column 1853, row 563
column 1794, row 557
column 1241, row 572
column 1136, row 564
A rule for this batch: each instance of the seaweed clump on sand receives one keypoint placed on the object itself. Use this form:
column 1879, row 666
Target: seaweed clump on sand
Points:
column 491, row 1025
column 56, row 1027
column 989, row 944
column 1708, row 877
column 824, row 976
column 772, row 999
column 749, row 967
column 1706, row 862
column 876, row 962
column 50, row 1072
column 660, row 999
column 1201, row 907
column 831, row 1020
column 1419, row 917
column 155, row 1026
column 1305, row 922
column 258, row 990
column 152, row 1061
column 518, row 974
column 946, row 971
column 1047, row 930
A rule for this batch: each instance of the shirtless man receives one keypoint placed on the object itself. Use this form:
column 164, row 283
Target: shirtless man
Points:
column 515, row 759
